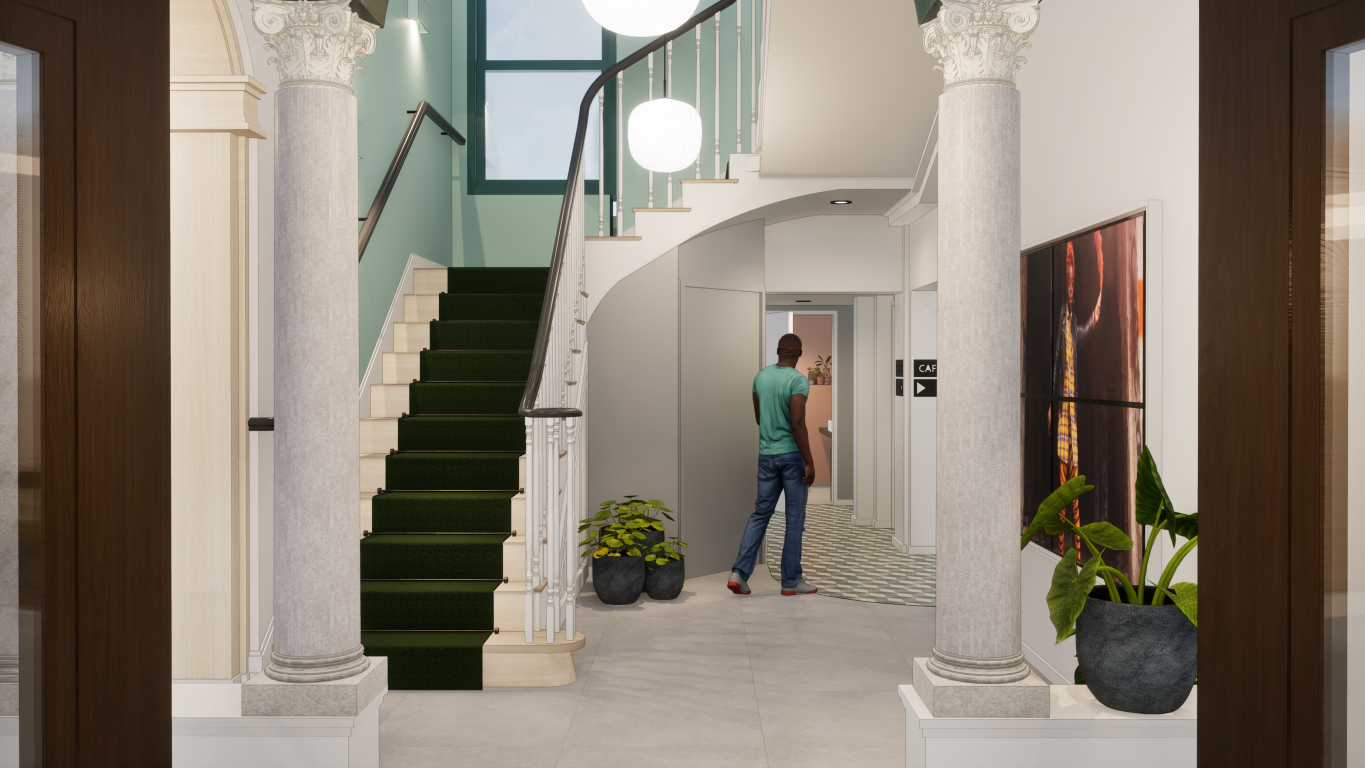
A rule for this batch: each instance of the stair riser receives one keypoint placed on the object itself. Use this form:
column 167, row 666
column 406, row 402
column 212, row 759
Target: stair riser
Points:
column 402, row 367
column 428, row 611
column 411, row 337
column 463, row 434
column 371, row 473
column 383, row 558
column 420, row 308
column 450, row 472
column 429, row 281
column 491, row 335
column 475, row 306
column 528, row 670
column 388, row 400
column 472, row 399
column 378, row 435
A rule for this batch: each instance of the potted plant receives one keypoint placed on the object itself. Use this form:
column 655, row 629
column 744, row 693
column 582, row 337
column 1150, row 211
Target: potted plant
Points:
column 666, row 572
column 826, row 368
column 1136, row 652
column 643, row 511
column 618, row 567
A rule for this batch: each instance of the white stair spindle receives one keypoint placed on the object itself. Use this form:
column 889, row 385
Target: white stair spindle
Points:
column 739, row 75
column 620, row 155
column 601, row 164
column 698, row 92
column 530, row 507
column 571, row 545
column 753, row 74
column 651, row 98
column 668, row 94
column 717, row 128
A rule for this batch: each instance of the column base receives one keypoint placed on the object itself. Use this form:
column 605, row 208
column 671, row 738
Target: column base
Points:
column 316, row 669
column 347, row 697
column 969, row 669
column 1029, row 697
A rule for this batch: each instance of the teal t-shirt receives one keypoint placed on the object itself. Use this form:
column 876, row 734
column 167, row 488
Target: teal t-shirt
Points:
column 775, row 386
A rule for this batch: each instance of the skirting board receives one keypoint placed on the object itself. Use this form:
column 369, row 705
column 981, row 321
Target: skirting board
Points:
column 1079, row 727
column 254, row 659
column 277, row 742
column 374, row 372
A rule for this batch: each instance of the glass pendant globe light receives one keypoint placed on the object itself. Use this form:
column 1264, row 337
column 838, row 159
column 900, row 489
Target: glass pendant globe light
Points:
column 665, row 135
column 641, row 18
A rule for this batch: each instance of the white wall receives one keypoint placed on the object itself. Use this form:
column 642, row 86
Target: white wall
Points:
column 923, row 425
column 839, row 254
column 921, row 248
column 1110, row 121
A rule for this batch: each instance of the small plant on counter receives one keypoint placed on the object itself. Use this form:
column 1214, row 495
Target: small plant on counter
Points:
column 1072, row 583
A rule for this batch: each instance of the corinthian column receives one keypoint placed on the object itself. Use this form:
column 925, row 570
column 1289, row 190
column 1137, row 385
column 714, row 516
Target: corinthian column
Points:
column 977, row 636
column 317, row 300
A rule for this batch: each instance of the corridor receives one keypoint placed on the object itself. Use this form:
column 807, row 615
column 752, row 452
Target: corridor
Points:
column 710, row 680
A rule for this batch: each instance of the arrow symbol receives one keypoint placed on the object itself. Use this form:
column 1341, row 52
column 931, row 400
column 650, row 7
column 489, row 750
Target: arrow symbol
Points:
column 919, row 387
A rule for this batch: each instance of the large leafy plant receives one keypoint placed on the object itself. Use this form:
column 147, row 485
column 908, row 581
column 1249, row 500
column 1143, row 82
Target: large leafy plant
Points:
column 619, row 527
column 1072, row 582
column 664, row 551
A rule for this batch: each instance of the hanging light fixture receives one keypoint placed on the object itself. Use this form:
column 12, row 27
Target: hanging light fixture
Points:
column 641, row 18
column 665, row 135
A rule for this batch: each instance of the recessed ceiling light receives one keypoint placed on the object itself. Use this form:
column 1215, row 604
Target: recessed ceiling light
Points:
column 841, row 202
column 803, row 301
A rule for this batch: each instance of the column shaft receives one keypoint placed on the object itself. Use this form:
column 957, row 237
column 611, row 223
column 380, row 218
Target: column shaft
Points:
column 977, row 635
column 317, row 551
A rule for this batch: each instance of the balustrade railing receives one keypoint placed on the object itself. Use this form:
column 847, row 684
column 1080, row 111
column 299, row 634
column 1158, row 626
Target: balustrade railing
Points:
column 554, row 402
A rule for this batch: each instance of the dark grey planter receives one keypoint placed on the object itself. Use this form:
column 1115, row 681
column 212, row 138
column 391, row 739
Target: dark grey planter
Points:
column 1136, row 658
column 651, row 538
column 665, row 582
column 618, row 580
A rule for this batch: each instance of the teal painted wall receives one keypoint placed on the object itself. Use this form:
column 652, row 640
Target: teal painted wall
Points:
column 406, row 67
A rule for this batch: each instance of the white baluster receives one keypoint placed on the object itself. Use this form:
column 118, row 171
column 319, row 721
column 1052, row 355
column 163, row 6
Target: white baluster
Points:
column 620, row 154
column 651, row 98
column 739, row 75
column 668, row 94
column 753, row 74
column 717, row 128
column 535, row 516
column 571, row 550
column 698, row 92
column 601, row 163
column 526, row 527
column 552, row 584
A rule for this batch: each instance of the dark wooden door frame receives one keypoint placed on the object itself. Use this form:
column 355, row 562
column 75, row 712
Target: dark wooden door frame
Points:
column 95, row 575
column 1262, row 106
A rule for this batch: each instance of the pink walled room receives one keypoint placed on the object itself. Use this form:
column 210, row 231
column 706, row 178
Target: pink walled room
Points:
column 817, row 341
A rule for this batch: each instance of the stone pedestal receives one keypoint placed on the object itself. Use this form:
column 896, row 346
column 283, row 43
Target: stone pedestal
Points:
column 977, row 642
column 317, row 552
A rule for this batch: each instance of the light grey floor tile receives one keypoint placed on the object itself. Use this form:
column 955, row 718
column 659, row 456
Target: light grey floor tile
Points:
column 695, row 600
column 851, row 632
column 391, row 700
column 779, row 757
column 671, row 758
column 488, row 718
column 840, row 720
column 826, row 668
column 646, row 629
column 912, row 629
column 777, row 604
column 679, row 664
column 473, row 757
column 721, row 720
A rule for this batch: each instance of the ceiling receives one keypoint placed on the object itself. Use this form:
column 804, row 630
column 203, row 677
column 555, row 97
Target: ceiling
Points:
column 848, row 89
column 864, row 202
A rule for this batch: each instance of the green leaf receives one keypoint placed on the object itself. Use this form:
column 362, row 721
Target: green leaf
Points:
column 1107, row 536
column 1079, row 676
column 1186, row 598
column 1066, row 598
column 600, row 552
column 1048, row 517
column 650, row 558
column 633, row 552
column 612, row 542
column 1151, row 496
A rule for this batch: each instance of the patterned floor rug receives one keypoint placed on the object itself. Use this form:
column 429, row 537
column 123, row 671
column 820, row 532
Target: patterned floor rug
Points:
column 853, row 562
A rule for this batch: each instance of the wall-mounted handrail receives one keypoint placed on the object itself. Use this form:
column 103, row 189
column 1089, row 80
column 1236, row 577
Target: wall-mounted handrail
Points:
column 391, row 176
column 566, row 213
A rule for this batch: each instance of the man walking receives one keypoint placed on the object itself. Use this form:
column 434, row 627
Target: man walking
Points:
column 784, row 465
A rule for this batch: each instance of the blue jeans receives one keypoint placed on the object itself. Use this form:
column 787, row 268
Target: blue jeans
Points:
column 776, row 474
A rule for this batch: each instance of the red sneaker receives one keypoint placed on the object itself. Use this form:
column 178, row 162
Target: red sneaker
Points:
column 801, row 588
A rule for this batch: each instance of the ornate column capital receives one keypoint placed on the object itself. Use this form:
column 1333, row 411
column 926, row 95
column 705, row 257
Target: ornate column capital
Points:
column 318, row 41
column 978, row 43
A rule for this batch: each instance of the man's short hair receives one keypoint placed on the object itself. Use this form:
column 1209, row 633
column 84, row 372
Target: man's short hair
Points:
column 789, row 341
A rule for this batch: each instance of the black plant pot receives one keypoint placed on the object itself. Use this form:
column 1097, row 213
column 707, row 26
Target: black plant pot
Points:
column 1136, row 658
column 665, row 582
column 651, row 538
column 618, row 580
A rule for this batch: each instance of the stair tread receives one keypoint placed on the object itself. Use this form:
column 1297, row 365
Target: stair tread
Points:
column 429, row 587
column 373, row 638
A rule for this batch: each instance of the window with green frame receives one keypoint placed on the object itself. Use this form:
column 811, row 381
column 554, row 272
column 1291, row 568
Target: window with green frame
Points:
column 530, row 62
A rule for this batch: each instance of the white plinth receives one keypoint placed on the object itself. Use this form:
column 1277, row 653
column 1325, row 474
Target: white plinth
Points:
column 1080, row 728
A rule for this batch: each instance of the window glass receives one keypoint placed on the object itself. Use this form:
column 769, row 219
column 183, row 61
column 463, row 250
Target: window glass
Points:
column 542, row 29
column 529, row 120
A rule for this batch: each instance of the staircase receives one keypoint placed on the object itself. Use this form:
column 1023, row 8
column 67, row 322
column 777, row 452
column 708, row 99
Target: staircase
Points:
column 443, row 474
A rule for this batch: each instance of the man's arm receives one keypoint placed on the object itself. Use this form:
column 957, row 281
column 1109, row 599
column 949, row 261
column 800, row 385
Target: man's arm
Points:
column 756, row 421
column 797, row 405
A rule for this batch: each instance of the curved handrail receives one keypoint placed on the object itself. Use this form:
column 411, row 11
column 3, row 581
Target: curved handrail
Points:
column 391, row 177
column 541, row 349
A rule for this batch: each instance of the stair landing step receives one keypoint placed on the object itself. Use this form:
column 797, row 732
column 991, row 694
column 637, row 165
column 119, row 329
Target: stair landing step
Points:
column 515, row 642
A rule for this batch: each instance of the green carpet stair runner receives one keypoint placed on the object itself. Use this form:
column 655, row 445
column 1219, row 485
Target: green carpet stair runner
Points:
column 435, row 555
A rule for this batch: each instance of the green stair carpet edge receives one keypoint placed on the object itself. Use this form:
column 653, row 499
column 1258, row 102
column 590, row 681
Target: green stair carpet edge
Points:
column 427, row 556
column 421, row 511
column 452, row 471
column 478, row 365
column 491, row 306
column 462, row 433
column 430, row 661
column 479, row 398
column 428, row 605
column 483, row 334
